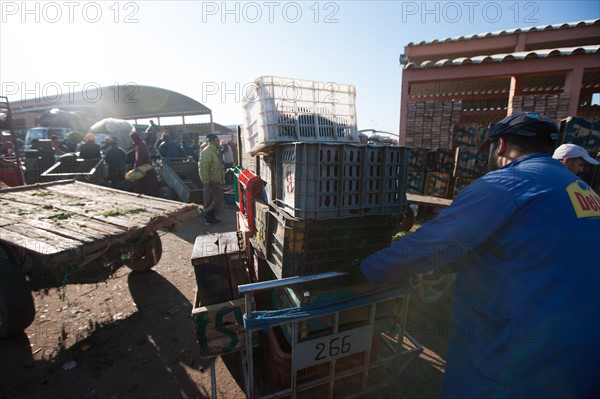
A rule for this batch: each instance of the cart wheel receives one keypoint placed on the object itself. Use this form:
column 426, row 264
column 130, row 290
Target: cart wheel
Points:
column 17, row 310
column 147, row 254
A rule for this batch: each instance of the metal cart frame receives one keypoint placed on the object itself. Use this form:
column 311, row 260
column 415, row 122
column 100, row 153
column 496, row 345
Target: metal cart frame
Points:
column 342, row 343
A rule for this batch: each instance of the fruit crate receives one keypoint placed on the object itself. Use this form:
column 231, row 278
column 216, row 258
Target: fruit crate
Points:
column 299, row 247
column 331, row 181
column 281, row 109
column 219, row 266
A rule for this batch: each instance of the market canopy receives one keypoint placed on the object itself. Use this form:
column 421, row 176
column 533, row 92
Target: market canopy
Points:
column 122, row 102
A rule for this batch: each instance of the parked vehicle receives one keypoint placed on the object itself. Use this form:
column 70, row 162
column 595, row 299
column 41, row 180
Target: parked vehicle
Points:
column 45, row 133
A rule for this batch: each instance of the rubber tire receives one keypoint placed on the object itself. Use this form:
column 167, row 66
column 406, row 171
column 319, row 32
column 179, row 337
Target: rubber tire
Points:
column 17, row 310
column 147, row 254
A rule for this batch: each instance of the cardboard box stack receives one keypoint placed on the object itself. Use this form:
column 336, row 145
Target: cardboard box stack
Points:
column 555, row 106
column 430, row 124
column 417, row 160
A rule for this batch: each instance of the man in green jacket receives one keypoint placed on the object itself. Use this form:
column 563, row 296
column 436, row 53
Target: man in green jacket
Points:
column 212, row 175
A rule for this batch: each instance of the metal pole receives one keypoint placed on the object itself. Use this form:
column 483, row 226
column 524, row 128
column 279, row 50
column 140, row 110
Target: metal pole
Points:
column 249, row 356
column 213, row 378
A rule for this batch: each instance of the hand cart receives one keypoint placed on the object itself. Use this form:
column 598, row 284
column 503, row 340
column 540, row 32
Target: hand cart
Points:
column 345, row 347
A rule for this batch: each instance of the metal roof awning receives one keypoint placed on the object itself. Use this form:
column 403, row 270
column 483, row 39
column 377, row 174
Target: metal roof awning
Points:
column 121, row 102
column 508, row 32
column 516, row 56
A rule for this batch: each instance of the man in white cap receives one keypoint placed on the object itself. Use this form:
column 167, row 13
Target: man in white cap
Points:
column 574, row 157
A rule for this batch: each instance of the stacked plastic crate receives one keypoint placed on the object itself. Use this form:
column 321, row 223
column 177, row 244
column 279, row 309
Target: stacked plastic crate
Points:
column 327, row 200
column 331, row 200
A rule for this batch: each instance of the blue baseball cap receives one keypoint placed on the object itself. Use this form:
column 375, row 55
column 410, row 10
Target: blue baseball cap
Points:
column 528, row 124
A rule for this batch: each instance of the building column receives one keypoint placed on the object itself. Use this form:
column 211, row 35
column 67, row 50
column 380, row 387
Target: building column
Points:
column 403, row 109
column 516, row 87
column 573, row 81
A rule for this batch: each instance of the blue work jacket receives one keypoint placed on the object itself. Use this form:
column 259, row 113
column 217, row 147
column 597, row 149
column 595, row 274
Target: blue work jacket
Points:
column 525, row 240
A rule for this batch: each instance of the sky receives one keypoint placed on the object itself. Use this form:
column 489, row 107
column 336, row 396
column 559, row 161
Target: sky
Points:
column 212, row 50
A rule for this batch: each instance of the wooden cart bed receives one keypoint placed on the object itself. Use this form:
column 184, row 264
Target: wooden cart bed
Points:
column 65, row 225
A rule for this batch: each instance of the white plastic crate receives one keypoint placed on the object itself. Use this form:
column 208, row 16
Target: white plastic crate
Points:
column 325, row 181
column 286, row 110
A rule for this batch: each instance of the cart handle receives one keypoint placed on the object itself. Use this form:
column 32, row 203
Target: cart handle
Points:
column 284, row 282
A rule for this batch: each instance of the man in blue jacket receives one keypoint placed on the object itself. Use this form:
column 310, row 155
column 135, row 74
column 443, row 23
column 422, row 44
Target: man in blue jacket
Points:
column 525, row 238
column 170, row 149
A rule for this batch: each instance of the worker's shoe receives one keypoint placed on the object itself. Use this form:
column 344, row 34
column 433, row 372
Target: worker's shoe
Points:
column 210, row 219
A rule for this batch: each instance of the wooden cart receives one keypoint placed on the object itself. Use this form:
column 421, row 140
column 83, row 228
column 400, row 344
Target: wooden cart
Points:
column 74, row 232
column 181, row 174
column 88, row 170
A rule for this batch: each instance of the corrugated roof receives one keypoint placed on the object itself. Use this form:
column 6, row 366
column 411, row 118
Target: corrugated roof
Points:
column 509, row 32
column 520, row 55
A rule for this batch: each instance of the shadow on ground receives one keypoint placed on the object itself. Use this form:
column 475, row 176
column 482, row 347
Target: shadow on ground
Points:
column 123, row 358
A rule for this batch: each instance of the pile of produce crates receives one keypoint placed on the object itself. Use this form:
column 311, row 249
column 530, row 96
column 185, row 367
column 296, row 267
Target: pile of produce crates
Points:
column 325, row 202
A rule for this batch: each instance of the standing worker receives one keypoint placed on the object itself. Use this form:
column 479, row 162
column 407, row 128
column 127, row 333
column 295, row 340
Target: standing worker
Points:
column 89, row 149
column 212, row 175
column 116, row 159
column 574, row 157
column 149, row 183
column 151, row 134
column 525, row 240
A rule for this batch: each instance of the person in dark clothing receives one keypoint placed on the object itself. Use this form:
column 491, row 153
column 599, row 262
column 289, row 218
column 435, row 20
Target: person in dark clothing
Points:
column 149, row 183
column 68, row 146
column 106, row 144
column 89, row 149
column 151, row 134
column 524, row 239
column 170, row 149
column 189, row 149
column 56, row 145
column 116, row 159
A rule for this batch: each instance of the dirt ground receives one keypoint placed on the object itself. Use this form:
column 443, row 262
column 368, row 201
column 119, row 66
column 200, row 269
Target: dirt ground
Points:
column 132, row 337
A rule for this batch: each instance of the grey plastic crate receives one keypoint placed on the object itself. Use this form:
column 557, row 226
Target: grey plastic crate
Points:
column 326, row 181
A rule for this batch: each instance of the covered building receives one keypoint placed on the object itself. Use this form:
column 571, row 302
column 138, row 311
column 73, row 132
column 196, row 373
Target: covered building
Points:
column 470, row 81
column 129, row 102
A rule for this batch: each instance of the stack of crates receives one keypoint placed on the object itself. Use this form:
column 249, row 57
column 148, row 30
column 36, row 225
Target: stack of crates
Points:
column 417, row 161
column 330, row 204
column 438, row 177
column 326, row 201
column 330, row 199
column 469, row 165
